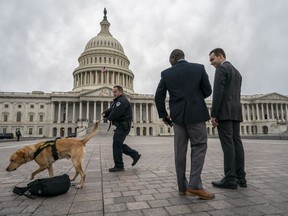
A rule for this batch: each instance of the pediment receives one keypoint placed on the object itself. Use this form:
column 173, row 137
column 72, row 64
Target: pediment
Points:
column 102, row 92
column 273, row 96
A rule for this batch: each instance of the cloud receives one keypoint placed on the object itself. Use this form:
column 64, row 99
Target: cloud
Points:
column 41, row 41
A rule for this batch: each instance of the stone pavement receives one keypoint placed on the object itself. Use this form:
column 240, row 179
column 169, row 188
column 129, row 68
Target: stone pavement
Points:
column 150, row 187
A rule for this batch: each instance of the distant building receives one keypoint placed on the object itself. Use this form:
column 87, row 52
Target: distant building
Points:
column 102, row 65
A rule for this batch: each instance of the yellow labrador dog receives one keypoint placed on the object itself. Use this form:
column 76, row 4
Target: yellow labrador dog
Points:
column 65, row 148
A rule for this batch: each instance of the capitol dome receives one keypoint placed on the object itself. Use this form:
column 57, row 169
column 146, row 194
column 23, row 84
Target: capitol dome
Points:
column 103, row 63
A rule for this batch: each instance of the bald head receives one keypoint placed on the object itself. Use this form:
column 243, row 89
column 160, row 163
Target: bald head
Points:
column 175, row 55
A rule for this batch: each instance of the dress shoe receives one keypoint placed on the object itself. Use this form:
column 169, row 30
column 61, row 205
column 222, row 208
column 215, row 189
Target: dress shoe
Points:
column 116, row 169
column 182, row 193
column 135, row 159
column 201, row 193
column 225, row 184
column 242, row 183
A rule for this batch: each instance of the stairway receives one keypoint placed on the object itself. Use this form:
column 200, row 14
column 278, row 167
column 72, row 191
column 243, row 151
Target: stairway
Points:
column 102, row 129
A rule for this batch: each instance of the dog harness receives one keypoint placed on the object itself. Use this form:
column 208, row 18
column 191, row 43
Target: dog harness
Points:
column 51, row 143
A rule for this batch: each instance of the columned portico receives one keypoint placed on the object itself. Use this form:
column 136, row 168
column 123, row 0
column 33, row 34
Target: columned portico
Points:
column 102, row 65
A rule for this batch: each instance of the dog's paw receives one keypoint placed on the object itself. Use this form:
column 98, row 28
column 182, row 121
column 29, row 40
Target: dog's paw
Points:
column 79, row 186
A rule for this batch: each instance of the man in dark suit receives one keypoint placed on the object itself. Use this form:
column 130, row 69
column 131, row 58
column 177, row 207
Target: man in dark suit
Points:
column 226, row 115
column 188, row 85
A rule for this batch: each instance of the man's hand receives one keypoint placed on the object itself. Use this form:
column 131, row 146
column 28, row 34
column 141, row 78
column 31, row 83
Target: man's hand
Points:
column 214, row 122
column 167, row 120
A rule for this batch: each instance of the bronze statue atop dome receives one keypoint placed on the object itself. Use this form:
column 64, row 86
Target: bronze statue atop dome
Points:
column 105, row 13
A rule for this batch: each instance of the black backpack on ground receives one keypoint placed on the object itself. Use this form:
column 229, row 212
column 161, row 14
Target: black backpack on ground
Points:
column 45, row 187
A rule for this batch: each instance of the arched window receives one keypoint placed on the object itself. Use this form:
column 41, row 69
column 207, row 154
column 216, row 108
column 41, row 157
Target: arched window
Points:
column 150, row 131
column 265, row 130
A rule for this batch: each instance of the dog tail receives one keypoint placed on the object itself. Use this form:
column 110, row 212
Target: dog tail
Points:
column 86, row 139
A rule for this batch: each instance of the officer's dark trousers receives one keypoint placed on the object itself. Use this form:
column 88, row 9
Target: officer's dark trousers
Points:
column 119, row 148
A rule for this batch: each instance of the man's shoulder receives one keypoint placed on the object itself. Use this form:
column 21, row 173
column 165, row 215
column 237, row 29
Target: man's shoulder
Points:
column 227, row 66
column 122, row 99
column 196, row 64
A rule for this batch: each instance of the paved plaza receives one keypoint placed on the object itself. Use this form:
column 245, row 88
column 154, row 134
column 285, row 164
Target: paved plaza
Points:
column 150, row 188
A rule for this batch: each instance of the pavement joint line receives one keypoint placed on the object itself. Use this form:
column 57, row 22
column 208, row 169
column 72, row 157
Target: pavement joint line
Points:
column 102, row 187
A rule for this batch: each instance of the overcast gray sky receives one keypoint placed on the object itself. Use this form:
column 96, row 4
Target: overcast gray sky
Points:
column 41, row 40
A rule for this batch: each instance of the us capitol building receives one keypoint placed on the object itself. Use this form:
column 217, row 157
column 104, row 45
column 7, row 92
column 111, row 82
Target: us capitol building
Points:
column 102, row 65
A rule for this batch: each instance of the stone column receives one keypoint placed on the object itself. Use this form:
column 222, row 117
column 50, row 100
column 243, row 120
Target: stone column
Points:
column 153, row 113
column 107, row 75
column 257, row 112
column 94, row 115
column 73, row 113
column 101, row 107
column 134, row 113
column 147, row 117
column 80, row 111
column 96, row 77
column 272, row 108
column 262, row 111
column 254, row 112
column 243, row 112
column 248, row 113
column 52, row 112
column 67, row 110
column 141, row 113
column 84, row 77
column 282, row 112
column 87, row 111
column 277, row 112
column 267, row 109
column 59, row 112
column 102, row 77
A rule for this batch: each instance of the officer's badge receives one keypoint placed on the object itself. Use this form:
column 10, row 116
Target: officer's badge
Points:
column 118, row 104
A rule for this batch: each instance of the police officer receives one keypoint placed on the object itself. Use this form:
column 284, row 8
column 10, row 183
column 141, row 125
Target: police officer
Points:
column 18, row 134
column 120, row 115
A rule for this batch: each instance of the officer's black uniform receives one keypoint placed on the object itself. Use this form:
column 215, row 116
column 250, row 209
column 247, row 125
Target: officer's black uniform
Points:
column 18, row 134
column 120, row 114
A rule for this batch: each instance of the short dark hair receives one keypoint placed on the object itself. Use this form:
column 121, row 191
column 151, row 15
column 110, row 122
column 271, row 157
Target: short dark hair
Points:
column 120, row 89
column 177, row 54
column 218, row 51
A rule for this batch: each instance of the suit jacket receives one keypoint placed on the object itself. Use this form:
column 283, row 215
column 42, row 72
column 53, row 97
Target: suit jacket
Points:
column 188, row 85
column 226, row 103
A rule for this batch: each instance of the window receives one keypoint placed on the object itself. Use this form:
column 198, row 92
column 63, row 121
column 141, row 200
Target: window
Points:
column 19, row 106
column 31, row 118
column 18, row 117
column 30, row 131
column 4, row 130
column 31, row 106
column 41, row 106
column 40, row 131
column 6, row 105
column 5, row 118
column 41, row 118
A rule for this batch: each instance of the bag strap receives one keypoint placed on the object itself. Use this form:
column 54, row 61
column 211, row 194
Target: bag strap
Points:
column 22, row 191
